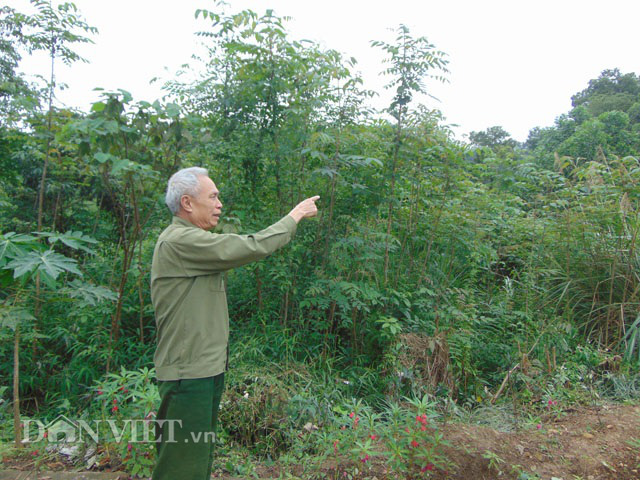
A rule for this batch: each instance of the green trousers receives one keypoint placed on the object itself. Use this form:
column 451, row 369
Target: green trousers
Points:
column 185, row 428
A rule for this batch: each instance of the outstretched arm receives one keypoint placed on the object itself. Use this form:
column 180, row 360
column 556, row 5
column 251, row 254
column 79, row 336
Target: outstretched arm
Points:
column 201, row 252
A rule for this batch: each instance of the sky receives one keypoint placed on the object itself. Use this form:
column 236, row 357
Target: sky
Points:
column 512, row 63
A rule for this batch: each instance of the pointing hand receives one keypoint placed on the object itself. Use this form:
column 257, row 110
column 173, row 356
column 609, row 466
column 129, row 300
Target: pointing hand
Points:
column 305, row 209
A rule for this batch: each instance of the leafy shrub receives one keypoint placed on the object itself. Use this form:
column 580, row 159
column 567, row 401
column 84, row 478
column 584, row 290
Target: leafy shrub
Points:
column 402, row 436
column 128, row 395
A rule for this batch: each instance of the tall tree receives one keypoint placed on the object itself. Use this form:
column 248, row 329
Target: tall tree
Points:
column 612, row 90
column 492, row 137
column 16, row 95
column 54, row 30
column 411, row 61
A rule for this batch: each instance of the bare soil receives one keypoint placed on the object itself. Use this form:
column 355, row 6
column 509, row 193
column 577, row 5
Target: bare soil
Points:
column 589, row 443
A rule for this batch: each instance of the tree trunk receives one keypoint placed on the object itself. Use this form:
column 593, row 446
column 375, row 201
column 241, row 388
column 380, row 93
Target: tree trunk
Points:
column 17, row 424
column 43, row 177
column 332, row 201
column 408, row 233
column 394, row 161
column 52, row 54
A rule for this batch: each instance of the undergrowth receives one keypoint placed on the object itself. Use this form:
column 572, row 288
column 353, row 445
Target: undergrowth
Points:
column 311, row 419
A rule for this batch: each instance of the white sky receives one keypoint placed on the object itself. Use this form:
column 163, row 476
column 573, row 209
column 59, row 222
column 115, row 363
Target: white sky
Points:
column 513, row 63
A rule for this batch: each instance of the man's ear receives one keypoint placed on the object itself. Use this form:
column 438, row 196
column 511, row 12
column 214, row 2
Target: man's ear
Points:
column 185, row 203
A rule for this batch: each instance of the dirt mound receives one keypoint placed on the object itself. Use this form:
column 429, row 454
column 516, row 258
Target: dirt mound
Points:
column 589, row 444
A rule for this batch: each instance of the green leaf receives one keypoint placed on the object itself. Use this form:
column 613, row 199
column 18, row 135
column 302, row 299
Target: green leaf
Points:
column 13, row 245
column 11, row 317
column 126, row 96
column 173, row 110
column 102, row 157
column 90, row 295
column 50, row 264
column 329, row 172
column 98, row 106
column 75, row 240
column 122, row 164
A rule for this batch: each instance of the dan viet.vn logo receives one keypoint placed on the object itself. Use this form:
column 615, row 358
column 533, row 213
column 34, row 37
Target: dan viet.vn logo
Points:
column 65, row 430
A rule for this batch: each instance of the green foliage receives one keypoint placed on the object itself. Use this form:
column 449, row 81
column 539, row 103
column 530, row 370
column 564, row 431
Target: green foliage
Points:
column 13, row 316
column 611, row 91
column 16, row 95
column 75, row 240
column 404, row 438
column 54, row 29
column 631, row 340
column 50, row 264
column 410, row 62
column 128, row 395
column 492, row 137
column 495, row 462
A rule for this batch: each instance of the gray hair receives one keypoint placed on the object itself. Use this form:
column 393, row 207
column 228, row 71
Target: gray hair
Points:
column 183, row 182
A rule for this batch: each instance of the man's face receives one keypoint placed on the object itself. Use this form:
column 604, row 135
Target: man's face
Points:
column 205, row 206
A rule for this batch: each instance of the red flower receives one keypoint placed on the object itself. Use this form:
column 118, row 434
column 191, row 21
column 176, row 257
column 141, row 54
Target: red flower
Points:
column 114, row 409
column 352, row 414
column 115, row 400
column 429, row 466
column 365, row 459
column 129, row 447
column 414, row 444
column 406, row 429
column 372, row 437
column 355, row 422
column 34, row 453
column 99, row 392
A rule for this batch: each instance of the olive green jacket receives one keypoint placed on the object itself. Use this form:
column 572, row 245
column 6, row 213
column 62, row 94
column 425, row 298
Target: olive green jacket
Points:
column 189, row 295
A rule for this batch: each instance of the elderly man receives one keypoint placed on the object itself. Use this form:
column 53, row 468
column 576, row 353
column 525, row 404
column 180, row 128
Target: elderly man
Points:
column 189, row 298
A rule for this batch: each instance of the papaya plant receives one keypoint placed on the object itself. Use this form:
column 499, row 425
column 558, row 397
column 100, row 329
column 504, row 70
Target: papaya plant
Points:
column 28, row 259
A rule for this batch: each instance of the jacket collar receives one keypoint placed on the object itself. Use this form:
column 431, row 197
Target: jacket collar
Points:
column 181, row 221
